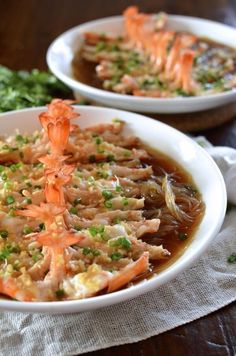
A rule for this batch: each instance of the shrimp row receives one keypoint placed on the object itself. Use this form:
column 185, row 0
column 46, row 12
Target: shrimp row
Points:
column 158, row 51
column 58, row 241
column 169, row 52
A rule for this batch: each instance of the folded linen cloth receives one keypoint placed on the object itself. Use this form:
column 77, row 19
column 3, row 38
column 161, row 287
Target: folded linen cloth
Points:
column 209, row 285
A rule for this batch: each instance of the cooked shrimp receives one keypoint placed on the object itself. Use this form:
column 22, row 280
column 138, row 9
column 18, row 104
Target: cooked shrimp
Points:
column 129, row 273
column 46, row 212
column 57, row 241
column 15, row 289
column 182, row 72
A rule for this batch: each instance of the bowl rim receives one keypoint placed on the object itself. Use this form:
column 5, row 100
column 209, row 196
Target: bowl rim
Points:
column 59, row 307
column 76, row 84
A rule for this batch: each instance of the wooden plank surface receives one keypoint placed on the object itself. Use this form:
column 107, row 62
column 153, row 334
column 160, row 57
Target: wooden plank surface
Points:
column 26, row 29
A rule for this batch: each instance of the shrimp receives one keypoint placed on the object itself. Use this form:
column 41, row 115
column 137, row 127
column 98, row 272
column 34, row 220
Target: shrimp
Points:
column 52, row 161
column 57, row 241
column 14, row 288
column 56, row 179
column 183, row 72
column 160, row 52
column 58, row 109
column 56, row 123
column 181, row 42
column 88, row 284
column 46, row 212
column 127, row 274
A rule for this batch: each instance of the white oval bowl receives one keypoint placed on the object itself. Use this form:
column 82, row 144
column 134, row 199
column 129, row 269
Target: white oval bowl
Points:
column 61, row 53
column 173, row 143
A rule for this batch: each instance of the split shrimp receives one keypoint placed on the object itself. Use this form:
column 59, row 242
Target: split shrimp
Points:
column 183, row 70
column 56, row 242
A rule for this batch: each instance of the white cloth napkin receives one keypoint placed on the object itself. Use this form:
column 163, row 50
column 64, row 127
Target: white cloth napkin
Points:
column 209, row 285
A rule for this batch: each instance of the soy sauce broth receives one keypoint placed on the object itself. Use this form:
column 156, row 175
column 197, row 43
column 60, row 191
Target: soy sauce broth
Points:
column 175, row 242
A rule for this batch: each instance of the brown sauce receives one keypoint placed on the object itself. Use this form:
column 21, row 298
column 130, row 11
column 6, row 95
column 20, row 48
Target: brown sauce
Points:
column 85, row 72
column 171, row 241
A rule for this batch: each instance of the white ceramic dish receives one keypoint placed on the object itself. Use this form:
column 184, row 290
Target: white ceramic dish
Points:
column 173, row 143
column 62, row 50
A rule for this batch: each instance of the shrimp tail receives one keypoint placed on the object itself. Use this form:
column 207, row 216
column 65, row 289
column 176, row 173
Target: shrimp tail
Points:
column 129, row 273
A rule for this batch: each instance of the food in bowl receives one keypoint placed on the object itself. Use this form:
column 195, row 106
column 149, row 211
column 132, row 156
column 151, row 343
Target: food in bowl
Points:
column 151, row 60
column 88, row 211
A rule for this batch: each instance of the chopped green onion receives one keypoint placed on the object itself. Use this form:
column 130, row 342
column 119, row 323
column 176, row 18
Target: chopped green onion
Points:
column 120, row 242
column 93, row 230
column 125, row 201
column 10, row 200
column 100, row 150
column 100, row 46
column 36, row 256
column 127, row 153
column 98, row 140
column 106, row 194
column 116, row 256
column 117, row 221
column 4, row 176
column 27, row 230
column 108, row 204
column 118, row 188
column 4, row 234
column 6, row 251
column 93, row 251
column 232, row 258
column 22, row 139
column 11, row 212
column 102, row 174
column 41, row 226
column 110, row 158
column 60, row 293
column 73, row 210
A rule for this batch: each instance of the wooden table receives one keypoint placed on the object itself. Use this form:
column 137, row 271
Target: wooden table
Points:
column 26, row 30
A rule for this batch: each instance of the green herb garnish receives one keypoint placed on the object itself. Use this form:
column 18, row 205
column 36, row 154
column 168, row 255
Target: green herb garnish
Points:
column 10, row 200
column 106, row 194
column 116, row 256
column 4, row 234
column 93, row 230
column 122, row 242
column 108, row 204
column 36, row 256
column 60, row 293
column 41, row 226
column 125, row 201
column 91, row 251
column 98, row 140
column 27, row 230
column 73, row 210
column 232, row 258
column 6, row 251
column 111, row 158
column 21, row 89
